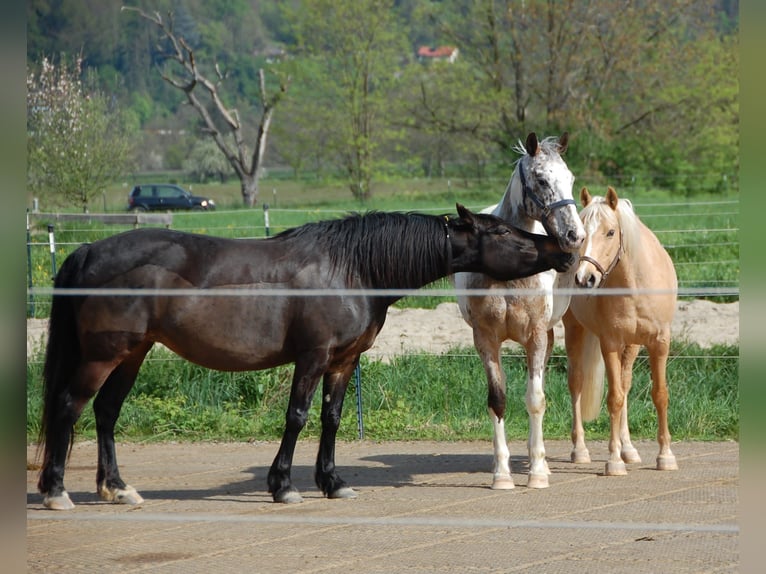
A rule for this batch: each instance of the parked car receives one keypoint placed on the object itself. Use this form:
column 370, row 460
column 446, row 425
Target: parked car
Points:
column 164, row 197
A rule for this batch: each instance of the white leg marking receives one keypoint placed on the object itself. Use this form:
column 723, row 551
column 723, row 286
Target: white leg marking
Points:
column 61, row 502
column 535, row 399
column 501, row 479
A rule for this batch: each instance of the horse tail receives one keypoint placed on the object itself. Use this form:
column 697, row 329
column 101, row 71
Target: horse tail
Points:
column 593, row 377
column 62, row 353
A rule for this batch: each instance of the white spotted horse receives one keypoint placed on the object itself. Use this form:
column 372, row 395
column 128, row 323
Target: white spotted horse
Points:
column 538, row 199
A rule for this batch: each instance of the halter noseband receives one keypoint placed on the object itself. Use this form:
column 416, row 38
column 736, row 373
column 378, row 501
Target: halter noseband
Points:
column 605, row 272
column 546, row 209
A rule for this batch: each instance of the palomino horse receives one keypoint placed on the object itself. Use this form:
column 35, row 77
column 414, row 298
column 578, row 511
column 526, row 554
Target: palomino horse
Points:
column 607, row 330
column 121, row 302
column 538, row 199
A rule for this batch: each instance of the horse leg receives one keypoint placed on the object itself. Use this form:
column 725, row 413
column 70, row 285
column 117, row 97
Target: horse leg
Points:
column 537, row 353
column 658, row 360
column 628, row 452
column 63, row 413
column 107, row 407
column 615, row 398
column 308, row 370
column 60, row 424
column 574, row 335
column 489, row 351
column 333, row 393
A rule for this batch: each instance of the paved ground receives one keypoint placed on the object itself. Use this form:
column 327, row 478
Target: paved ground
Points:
column 423, row 507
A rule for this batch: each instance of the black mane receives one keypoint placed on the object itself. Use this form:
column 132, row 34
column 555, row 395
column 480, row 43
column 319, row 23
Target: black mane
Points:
column 382, row 249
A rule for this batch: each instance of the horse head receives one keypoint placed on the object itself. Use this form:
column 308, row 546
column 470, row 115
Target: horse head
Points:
column 485, row 243
column 603, row 246
column 546, row 190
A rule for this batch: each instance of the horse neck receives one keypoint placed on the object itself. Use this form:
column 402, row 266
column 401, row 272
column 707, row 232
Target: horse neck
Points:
column 511, row 206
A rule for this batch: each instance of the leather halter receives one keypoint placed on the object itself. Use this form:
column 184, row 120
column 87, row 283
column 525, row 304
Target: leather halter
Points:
column 605, row 272
column 449, row 246
column 546, row 209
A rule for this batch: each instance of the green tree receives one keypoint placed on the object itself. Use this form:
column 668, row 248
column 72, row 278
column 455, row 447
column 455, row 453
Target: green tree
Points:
column 77, row 141
column 206, row 162
column 637, row 83
column 358, row 45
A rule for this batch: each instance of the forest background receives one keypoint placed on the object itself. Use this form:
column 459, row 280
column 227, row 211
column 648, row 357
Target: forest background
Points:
column 647, row 89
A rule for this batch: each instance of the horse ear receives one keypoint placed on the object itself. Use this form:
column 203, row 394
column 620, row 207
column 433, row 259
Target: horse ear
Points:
column 584, row 196
column 611, row 198
column 563, row 143
column 464, row 213
column 533, row 146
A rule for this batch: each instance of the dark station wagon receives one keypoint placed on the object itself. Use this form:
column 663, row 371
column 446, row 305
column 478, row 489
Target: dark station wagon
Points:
column 165, row 197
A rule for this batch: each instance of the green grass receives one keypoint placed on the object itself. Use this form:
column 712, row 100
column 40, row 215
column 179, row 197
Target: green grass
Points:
column 417, row 396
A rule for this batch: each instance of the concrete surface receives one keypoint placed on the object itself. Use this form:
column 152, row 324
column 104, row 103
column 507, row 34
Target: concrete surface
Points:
column 423, row 507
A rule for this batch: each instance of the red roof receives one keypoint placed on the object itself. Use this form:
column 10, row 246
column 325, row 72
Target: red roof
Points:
column 440, row 52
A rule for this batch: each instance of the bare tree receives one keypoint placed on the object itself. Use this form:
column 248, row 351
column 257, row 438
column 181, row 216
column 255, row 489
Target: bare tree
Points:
column 246, row 164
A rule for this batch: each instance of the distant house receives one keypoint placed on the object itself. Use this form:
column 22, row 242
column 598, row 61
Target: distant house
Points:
column 447, row 53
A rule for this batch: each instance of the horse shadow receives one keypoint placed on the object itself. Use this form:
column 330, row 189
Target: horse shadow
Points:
column 381, row 471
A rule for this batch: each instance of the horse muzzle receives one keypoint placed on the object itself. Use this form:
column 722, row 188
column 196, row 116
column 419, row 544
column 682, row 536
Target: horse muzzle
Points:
column 563, row 262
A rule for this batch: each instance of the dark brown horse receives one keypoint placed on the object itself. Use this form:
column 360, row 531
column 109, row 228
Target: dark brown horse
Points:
column 131, row 290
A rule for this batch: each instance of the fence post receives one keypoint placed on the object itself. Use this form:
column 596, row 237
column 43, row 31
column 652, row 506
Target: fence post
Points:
column 31, row 306
column 266, row 217
column 358, row 382
column 52, row 243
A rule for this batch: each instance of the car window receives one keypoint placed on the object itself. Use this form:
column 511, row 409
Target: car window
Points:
column 170, row 192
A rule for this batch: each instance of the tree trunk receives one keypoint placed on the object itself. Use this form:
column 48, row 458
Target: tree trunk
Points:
column 249, row 188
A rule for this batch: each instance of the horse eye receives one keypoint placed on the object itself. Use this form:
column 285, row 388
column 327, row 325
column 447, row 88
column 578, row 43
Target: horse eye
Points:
column 610, row 233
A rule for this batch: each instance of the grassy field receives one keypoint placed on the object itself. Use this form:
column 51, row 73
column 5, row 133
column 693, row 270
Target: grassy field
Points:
column 416, row 396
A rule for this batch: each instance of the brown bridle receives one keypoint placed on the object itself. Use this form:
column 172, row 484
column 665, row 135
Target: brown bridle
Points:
column 605, row 272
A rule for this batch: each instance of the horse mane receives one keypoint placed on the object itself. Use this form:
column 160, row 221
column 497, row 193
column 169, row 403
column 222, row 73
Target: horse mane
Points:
column 627, row 220
column 381, row 249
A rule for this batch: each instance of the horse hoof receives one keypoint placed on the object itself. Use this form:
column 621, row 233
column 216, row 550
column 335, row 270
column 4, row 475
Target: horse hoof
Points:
column 667, row 462
column 537, row 481
column 343, row 492
column 60, row 502
column 630, row 456
column 127, row 495
column 615, row 468
column 288, row 497
column 580, row 456
column 502, row 483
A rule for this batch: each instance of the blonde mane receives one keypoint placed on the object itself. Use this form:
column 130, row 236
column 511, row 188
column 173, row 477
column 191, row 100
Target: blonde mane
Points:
column 627, row 220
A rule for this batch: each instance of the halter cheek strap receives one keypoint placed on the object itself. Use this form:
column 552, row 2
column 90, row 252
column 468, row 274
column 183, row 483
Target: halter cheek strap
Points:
column 605, row 272
column 546, row 209
column 449, row 246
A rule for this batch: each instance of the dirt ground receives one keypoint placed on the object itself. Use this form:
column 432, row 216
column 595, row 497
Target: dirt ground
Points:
column 438, row 330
